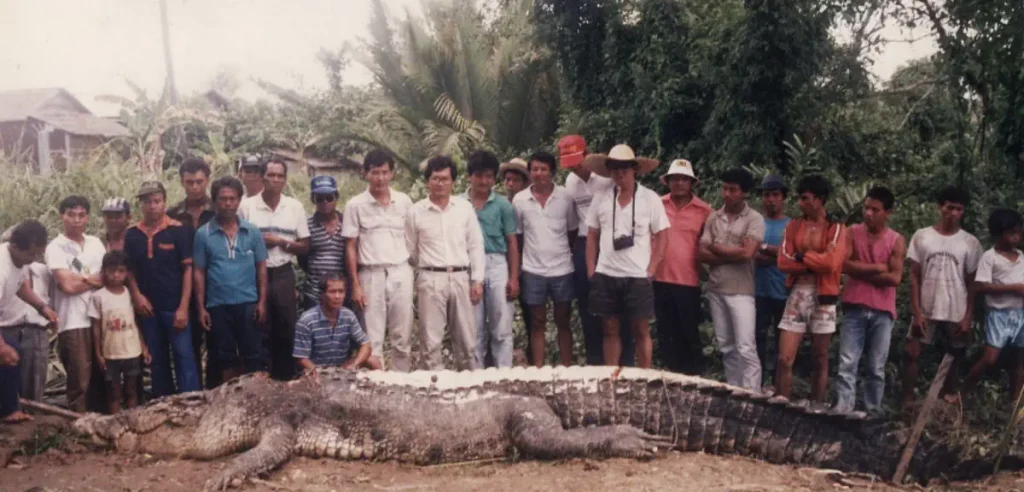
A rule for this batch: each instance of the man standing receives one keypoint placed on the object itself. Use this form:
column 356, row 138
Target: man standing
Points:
column 250, row 172
column 74, row 259
column 625, row 245
column 677, row 282
column 769, row 282
column 159, row 249
column 501, row 263
column 22, row 323
column 26, row 244
column 547, row 220
column 445, row 243
column 116, row 214
column 874, row 268
column 230, row 279
column 325, row 332
column 583, row 185
column 378, row 261
column 943, row 261
column 515, row 175
column 195, row 211
column 732, row 236
column 812, row 254
column 326, row 244
column 282, row 220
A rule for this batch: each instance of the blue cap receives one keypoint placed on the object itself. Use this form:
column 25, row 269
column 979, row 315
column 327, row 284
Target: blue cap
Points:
column 323, row 185
column 774, row 182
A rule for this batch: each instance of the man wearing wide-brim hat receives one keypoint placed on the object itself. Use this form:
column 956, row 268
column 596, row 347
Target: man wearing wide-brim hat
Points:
column 515, row 175
column 625, row 245
column 677, row 295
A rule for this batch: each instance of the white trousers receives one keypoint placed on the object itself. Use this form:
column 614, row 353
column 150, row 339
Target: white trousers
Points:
column 444, row 302
column 735, row 317
column 389, row 308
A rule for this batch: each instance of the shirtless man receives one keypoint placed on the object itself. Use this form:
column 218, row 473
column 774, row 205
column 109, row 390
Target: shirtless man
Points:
column 812, row 255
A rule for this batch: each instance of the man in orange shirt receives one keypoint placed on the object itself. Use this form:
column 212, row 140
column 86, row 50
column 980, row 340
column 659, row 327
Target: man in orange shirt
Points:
column 677, row 282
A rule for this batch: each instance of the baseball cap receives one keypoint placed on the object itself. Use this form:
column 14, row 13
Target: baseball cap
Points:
column 251, row 160
column 323, row 185
column 570, row 150
column 150, row 187
column 116, row 204
column 773, row 182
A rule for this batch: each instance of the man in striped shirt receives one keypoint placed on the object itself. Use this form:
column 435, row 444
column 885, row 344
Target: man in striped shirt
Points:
column 325, row 334
column 326, row 244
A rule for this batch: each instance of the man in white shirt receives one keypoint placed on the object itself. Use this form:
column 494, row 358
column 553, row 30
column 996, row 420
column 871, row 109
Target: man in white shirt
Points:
column 19, row 345
column 546, row 219
column 282, row 220
column 74, row 259
column 378, row 261
column 625, row 245
column 582, row 185
column 444, row 241
column 22, row 322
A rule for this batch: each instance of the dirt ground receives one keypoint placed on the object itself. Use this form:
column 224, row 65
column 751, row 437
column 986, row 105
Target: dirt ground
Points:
column 65, row 465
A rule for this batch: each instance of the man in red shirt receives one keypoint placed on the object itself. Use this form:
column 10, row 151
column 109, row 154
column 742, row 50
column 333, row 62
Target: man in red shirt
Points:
column 677, row 282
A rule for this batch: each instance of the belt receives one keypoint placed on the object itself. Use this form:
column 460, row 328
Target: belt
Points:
column 378, row 267
column 449, row 269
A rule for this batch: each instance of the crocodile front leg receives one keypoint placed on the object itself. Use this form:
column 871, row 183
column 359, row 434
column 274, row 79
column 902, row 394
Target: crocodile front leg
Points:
column 277, row 440
column 536, row 431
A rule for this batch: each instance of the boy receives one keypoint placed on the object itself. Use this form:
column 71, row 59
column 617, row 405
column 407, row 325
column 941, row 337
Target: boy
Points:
column 325, row 332
column 1001, row 277
column 943, row 260
column 118, row 339
column 812, row 254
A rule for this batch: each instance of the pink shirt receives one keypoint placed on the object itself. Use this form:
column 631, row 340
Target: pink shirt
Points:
column 679, row 266
column 879, row 250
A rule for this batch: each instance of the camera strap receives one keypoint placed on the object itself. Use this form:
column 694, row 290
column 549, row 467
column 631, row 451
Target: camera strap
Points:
column 615, row 208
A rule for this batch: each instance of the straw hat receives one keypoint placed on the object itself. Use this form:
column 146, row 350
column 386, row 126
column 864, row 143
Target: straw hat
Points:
column 515, row 165
column 679, row 167
column 598, row 163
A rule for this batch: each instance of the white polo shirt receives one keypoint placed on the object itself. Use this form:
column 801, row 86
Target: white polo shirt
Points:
column 545, row 231
column 84, row 259
column 583, row 194
column 380, row 229
column 448, row 237
column 13, row 310
column 11, row 278
column 288, row 220
column 650, row 219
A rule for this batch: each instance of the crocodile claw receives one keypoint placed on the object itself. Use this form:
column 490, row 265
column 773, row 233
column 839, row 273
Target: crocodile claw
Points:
column 222, row 482
column 630, row 442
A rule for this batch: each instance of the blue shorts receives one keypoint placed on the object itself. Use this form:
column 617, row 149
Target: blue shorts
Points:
column 536, row 289
column 1004, row 326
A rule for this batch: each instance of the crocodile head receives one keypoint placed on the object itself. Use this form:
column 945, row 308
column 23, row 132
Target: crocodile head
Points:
column 170, row 421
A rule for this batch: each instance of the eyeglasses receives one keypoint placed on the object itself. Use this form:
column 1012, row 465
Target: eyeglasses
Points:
column 440, row 179
column 324, row 198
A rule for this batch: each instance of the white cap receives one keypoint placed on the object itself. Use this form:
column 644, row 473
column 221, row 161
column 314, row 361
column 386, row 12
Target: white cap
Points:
column 680, row 167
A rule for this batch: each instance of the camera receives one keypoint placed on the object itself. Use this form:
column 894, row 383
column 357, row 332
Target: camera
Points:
column 622, row 242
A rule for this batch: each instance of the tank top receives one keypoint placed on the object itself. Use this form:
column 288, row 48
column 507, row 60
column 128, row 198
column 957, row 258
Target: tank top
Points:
column 863, row 293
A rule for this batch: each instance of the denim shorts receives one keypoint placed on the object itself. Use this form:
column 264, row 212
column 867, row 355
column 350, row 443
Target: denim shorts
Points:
column 118, row 369
column 537, row 289
column 1003, row 326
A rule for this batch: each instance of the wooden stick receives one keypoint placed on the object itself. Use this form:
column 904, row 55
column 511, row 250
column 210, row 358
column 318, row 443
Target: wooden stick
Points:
column 50, row 409
column 1009, row 432
column 922, row 418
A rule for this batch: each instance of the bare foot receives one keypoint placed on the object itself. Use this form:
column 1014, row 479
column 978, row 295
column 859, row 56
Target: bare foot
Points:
column 17, row 417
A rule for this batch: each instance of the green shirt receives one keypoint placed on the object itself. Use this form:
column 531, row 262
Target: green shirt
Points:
column 497, row 221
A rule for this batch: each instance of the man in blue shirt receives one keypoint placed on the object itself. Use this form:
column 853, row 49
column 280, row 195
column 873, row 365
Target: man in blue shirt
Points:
column 230, row 270
column 770, row 284
column 325, row 333
column 160, row 252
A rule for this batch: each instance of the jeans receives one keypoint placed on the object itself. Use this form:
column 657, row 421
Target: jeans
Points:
column 733, row 316
column 593, row 331
column 677, row 309
column 769, row 314
column 494, row 314
column 163, row 341
column 870, row 328
column 234, row 334
column 10, row 383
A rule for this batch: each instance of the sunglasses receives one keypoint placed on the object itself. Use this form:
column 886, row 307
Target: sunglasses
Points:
column 323, row 198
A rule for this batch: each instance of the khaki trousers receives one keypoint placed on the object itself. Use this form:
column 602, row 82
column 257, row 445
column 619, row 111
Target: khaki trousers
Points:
column 389, row 308
column 443, row 301
column 84, row 389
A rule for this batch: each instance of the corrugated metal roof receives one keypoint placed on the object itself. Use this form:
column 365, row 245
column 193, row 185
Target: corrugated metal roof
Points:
column 83, row 124
column 18, row 105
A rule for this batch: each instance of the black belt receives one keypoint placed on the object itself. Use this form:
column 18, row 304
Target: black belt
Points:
column 445, row 269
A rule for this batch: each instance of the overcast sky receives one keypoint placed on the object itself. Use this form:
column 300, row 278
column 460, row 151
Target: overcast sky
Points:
column 91, row 46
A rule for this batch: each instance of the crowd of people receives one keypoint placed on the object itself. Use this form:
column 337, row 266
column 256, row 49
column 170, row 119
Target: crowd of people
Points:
column 217, row 269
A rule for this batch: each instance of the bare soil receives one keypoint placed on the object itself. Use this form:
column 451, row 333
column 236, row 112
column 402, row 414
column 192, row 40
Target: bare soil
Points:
column 42, row 458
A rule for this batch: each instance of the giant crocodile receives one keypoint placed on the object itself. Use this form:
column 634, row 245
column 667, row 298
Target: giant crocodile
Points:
column 435, row 417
